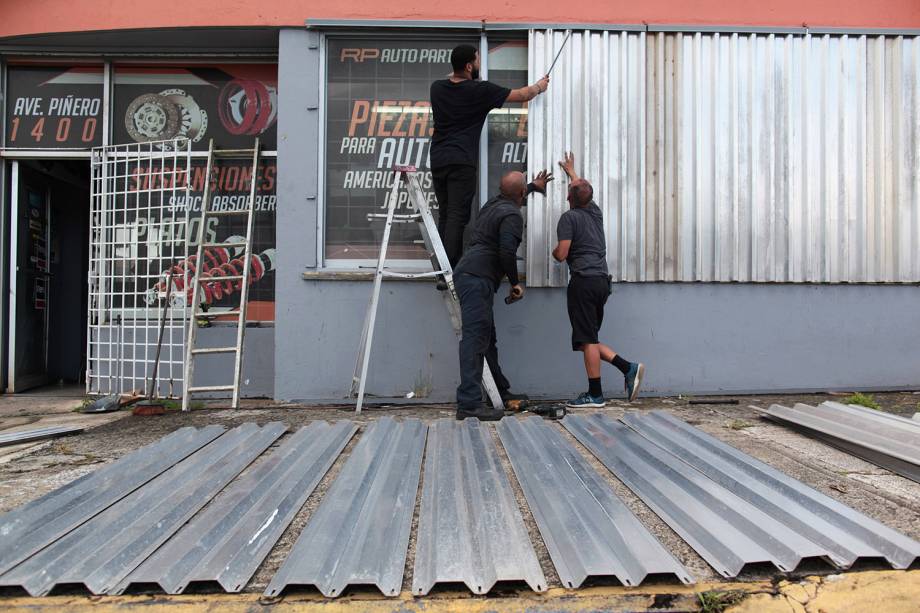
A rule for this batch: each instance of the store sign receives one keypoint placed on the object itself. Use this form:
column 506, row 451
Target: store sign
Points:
column 232, row 103
column 54, row 107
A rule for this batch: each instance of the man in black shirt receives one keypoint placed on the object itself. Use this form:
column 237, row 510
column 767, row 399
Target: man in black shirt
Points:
column 492, row 255
column 582, row 244
column 460, row 105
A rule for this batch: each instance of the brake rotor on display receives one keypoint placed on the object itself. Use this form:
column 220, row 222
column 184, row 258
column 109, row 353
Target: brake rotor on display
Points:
column 193, row 120
column 247, row 106
column 152, row 117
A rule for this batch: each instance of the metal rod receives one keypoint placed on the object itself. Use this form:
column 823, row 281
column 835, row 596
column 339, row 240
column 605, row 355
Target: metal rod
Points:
column 156, row 359
column 558, row 53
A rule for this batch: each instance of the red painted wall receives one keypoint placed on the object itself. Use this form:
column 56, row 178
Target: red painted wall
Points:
column 37, row 16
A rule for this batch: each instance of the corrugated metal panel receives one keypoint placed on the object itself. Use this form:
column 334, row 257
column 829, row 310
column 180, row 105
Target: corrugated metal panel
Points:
column 846, row 534
column 101, row 552
column 765, row 158
column 230, row 538
column 595, row 106
column 31, row 527
column 861, row 432
column 470, row 527
column 728, row 532
column 586, row 527
column 37, row 434
column 360, row 532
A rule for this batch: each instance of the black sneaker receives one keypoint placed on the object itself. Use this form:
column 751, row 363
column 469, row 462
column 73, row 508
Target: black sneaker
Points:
column 480, row 413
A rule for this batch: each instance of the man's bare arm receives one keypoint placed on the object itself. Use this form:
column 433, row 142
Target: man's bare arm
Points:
column 525, row 94
column 568, row 165
column 561, row 252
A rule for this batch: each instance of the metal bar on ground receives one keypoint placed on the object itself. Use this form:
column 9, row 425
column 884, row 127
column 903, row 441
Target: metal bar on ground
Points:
column 227, row 541
column 728, row 532
column 880, row 440
column 31, row 527
column 588, row 530
column 101, row 552
column 26, row 436
column 470, row 527
column 360, row 532
column 847, row 534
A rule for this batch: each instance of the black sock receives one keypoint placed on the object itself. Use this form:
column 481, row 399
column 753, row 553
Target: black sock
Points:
column 594, row 387
column 620, row 363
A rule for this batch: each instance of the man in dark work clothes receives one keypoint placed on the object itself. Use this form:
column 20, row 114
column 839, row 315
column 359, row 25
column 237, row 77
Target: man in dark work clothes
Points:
column 460, row 105
column 491, row 256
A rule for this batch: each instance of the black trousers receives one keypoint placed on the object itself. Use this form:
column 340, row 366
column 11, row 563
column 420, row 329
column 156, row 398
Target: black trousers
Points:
column 478, row 340
column 454, row 188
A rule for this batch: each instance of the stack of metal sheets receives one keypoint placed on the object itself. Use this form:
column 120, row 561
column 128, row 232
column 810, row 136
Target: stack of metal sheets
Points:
column 881, row 438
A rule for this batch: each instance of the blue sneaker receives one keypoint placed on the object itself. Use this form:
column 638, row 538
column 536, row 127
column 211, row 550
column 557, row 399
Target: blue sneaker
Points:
column 634, row 380
column 587, row 401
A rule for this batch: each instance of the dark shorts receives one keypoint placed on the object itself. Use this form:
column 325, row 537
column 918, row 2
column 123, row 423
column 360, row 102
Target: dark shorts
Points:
column 586, row 297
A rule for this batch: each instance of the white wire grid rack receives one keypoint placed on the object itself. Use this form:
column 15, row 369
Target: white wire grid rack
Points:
column 139, row 231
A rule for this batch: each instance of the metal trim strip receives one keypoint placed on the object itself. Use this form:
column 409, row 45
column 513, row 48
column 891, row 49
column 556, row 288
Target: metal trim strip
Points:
column 588, row 530
column 360, row 532
column 470, row 528
column 227, row 541
column 27, row 436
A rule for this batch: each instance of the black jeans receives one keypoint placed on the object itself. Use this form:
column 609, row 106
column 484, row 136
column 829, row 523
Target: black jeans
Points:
column 455, row 188
column 478, row 340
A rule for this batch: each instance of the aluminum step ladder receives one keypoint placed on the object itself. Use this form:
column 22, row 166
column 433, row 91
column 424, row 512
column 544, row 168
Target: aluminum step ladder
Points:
column 440, row 267
column 196, row 313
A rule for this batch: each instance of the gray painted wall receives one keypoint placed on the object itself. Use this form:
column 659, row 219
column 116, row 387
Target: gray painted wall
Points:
column 694, row 339
column 257, row 379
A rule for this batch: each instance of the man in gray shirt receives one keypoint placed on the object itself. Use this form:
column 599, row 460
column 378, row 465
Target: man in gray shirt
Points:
column 582, row 245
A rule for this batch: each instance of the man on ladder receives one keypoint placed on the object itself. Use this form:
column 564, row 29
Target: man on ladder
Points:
column 491, row 255
column 460, row 105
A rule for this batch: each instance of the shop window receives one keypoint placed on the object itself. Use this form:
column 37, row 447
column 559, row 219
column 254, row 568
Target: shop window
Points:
column 507, row 148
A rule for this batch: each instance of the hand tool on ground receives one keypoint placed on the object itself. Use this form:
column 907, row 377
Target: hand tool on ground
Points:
column 152, row 405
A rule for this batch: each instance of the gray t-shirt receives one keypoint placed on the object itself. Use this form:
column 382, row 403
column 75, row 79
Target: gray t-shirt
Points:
column 584, row 226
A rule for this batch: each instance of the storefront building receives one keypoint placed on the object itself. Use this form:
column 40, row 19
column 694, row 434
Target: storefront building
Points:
column 758, row 165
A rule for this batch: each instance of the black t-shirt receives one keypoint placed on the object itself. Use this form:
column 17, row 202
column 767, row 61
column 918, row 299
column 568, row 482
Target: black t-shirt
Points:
column 497, row 234
column 585, row 228
column 459, row 111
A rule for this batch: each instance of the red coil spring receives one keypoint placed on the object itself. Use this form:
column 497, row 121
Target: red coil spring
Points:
column 217, row 264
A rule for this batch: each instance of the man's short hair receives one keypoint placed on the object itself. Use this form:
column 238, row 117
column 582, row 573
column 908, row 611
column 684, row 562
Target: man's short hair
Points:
column 461, row 56
column 584, row 193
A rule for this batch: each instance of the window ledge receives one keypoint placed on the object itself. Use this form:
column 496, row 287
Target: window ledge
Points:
column 354, row 275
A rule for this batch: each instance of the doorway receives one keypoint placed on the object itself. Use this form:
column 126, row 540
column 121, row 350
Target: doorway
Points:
column 49, row 250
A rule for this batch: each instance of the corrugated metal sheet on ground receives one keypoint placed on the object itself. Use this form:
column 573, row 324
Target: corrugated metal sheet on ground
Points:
column 37, row 434
column 734, row 157
column 470, row 528
column 31, row 527
column 227, row 541
column 862, row 432
column 101, row 552
column 728, row 532
column 846, row 534
column 587, row 529
column 359, row 535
